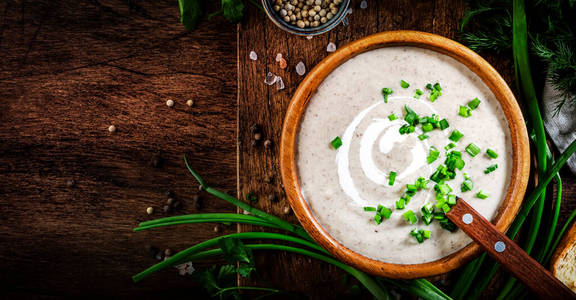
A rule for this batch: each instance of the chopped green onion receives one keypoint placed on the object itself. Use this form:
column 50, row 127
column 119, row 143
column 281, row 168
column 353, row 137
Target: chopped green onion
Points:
column 385, row 212
column 404, row 84
column 464, row 111
column 451, row 199
column 411, row 116
column 446, row 208
column 454, row 160
column 410, row 217
column 421, row 182
column 427, row 209
column 378, row 219
column 433, row 154
column 392, row 117
column 391, row 178
column 449, row 146
column 482, row 195
column 426, row 234
column 400, row 204
column 467, row 185
column 455, row 136
column 336, row 142
column 418, row 93
column 427, row 127
column 473, row 104
column 437, row 87
column 435, row 91
column 472, row 149
column 492, row 153
column 412, row 187
column 385, row 93
column 444, row 124
column 406, row 128
column 491, row 169
column 417, row 235
column 423, row 136
column 369, row 208
column 427, row 219
column 443, row 189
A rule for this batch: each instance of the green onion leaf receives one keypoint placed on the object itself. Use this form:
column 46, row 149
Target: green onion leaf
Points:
column 417, row 94
column 378, row 219
column 449, row 146
column 444, row 124
column 473, row 104
column 482, row 195
column 426, row 234
column 411, row 116
column 472, row 149
column 491, row 169
column 423, row 136
column 391, row 178
column 369, row 208
column 451, row 199
column 443, row 189
column 427, row 127
column 464, row 111
column 467, row 185
column 404, row 84
column 491, row 153
column 410, row 217
column 401, row 203
column 385, row 93
column 455, row 136
column 433, row 154
column 385, row 212
column 336, row 142
column 392, row 117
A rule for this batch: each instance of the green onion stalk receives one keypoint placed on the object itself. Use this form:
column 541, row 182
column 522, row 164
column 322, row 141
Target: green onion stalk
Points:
column 376, row 286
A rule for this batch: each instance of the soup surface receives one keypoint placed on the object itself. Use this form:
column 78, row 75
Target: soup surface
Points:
column 339, row 183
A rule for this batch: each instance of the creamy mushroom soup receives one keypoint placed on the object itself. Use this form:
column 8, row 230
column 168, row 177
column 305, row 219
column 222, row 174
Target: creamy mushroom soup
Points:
column 388, row 140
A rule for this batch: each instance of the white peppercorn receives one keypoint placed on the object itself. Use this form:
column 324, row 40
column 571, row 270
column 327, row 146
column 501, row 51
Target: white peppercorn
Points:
column 304, row 14
column 301, row 24
column 323, row 20
column 290, row 12
column 292, row 17
column 286, row 19
column 283, row 13
column 322, row 12
column 334, row 10
column 315, row 23
column 329, row 15
column 318, row 2
column 276, row 7
column 312, row 13
column 316, row 18
column 317, row 8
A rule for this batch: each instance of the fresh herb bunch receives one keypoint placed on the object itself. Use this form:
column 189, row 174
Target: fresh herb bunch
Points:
column 551, row 37
column 540, row 28
column 192, row 10
column 236, row 252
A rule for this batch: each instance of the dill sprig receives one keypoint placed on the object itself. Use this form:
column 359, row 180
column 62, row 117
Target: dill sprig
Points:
column 487, row 25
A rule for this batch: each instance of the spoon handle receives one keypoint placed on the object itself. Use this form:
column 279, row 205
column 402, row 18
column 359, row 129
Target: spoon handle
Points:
column 510, row 255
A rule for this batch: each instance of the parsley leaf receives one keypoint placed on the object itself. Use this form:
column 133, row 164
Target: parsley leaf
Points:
column 235, row 252
column 233, row 10
column 190, row 12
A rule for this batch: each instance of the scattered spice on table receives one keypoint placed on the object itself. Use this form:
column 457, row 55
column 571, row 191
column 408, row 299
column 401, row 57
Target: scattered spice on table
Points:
column 306, row 13
column 190, row 102
column 331, row 47
column 112, row 128
column 287, row 210
column 267, row 143
column 70, row 182
column 301, row 69
column 150, row 210
column 170, row 102
column 253, row 55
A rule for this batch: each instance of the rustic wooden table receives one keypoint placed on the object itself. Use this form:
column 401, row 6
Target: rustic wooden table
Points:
column 72, row 191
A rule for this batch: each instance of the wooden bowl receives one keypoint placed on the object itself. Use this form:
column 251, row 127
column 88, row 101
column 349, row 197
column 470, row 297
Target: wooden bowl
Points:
column 520, row 163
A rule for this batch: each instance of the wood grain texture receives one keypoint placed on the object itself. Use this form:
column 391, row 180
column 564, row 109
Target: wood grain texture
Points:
column 507, row 253
column 68, row 70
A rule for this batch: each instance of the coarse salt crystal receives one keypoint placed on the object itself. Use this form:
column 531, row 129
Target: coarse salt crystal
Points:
column 300, row 69
column 170, row 102
column 270, row 78
column 363, row 4
column 331, row 47
column 349, row 11
column 278, row 57
column 185, row 268
column 345, row 21
column 253, row 55
column 280, row 83
column 309, row 37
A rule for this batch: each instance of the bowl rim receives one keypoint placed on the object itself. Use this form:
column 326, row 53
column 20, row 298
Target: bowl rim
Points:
column 518, row 133
column 312, row 31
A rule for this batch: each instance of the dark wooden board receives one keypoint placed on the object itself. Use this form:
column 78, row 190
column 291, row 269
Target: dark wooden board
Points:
column 68, row 70
column 264, row 105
